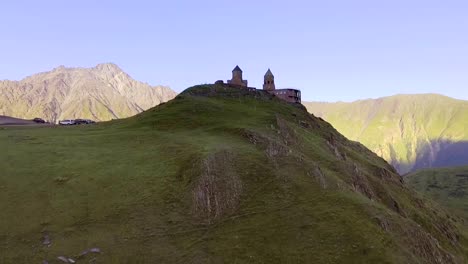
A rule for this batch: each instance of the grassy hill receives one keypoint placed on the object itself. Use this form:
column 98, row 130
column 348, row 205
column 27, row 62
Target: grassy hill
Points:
column 217, row 175
column 448, row 186
column 409, row 131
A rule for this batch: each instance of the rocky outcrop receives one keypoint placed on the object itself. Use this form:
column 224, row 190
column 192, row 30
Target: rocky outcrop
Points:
column 218, row 189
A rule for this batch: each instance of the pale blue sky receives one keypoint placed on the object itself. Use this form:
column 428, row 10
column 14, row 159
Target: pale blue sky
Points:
column 332, row 50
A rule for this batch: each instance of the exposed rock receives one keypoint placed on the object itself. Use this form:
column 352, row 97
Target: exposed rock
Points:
column 360, row 183
column 95, row 250
column 87, row 251
column 288, row 135
column 304, row 124
column 63, row 259
column 320, row 178
column 273, row 148
column 390, row 176
column 333, row 144
column 219, row 187
column 46, row 241
column 396, row 207
column 383, row 223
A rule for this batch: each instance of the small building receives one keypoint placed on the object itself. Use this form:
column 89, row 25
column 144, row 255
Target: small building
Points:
column 288, row 94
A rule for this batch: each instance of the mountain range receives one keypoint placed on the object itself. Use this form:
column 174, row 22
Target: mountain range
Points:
column 100, row 93
column 409, row 131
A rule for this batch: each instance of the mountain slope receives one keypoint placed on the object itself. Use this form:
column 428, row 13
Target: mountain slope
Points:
column 448, row 186
column 101, row 93
column 409, row 131
column 218, row 175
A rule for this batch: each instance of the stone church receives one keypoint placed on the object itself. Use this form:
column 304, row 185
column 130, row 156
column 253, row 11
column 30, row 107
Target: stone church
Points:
column 287, row 94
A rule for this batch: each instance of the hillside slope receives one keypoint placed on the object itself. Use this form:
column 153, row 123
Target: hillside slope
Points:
column 409, row 131
column 447, row 186
column 217, row 175
column 104, row 92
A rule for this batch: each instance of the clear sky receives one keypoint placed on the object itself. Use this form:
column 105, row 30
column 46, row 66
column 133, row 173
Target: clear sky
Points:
column 331, row 50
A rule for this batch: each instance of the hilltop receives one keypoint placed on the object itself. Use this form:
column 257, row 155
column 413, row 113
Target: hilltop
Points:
column 409, row 131
column 217, row 175
column 100, row 93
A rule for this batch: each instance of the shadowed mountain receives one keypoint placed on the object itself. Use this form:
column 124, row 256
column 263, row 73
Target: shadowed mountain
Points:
column 409, row 131
column 449, row 154
column 101, row 93
column 217, row 175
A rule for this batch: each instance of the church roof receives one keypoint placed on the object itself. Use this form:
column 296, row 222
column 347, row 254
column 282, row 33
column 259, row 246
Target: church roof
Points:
column 237, row 69
column 268, row 73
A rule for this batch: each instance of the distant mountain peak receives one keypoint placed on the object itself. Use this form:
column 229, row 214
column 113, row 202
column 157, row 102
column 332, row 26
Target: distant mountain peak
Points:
column 108, row 67
column 100, row 93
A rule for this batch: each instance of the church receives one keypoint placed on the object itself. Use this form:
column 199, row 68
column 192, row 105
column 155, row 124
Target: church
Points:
column 287, row 94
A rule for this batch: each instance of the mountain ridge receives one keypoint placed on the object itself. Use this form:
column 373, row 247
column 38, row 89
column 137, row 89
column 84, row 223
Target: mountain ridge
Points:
column 101, row 93
column 410, row 131
column 388, row 96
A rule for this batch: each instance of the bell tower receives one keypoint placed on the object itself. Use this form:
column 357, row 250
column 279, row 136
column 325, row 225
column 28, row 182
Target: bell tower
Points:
column 269, row 81
column 237, row 78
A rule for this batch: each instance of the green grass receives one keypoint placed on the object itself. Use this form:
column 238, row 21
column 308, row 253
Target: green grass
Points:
column 132, row 187
column 447, row 186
